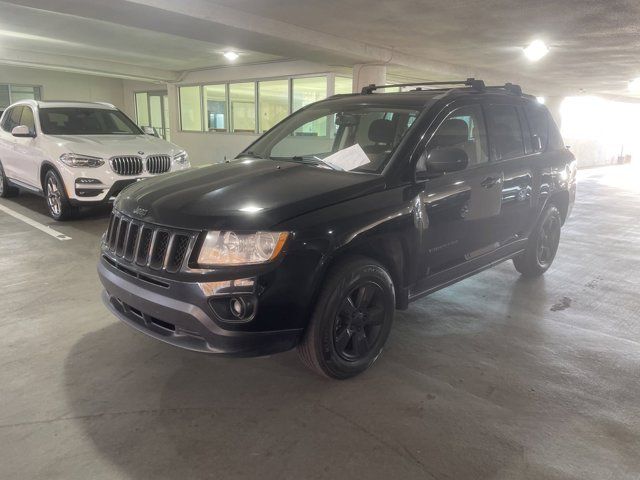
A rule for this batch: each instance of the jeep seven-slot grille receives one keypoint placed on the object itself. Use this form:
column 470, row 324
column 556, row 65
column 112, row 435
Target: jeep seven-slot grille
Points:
column 145, row 244
column 158, row 164
column 127, row 165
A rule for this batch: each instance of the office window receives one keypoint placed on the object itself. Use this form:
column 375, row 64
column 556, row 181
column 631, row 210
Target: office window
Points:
column 306, row 91
column 190, row 109
column 505, row 131
column 142, row 109
column 12, row 93
column 215, row 97
column 242, row 102
column 273, row 102
column 5, row 100
column 343, row 85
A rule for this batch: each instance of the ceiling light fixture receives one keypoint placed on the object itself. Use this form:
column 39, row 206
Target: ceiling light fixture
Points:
column 230, row 55
column 541, row 100
column 634, row 85
column 536, row 50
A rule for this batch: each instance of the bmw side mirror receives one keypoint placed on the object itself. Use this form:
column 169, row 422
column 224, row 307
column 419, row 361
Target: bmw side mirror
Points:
column 150, row 131
column 442, row 160
column 22, row 131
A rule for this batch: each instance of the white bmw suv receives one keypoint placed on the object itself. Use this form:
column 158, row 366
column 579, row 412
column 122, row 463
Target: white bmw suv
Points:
column 77, row 153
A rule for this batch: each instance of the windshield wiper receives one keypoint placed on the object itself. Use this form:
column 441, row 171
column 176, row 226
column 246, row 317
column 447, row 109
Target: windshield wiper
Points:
column 312, row 159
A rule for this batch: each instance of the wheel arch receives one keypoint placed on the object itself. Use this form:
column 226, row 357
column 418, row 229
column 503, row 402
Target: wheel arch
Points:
column 561, row 200
column 388, row 250
column 44, row 168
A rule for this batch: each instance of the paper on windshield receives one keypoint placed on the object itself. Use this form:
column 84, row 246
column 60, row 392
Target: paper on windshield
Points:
column 348, row 158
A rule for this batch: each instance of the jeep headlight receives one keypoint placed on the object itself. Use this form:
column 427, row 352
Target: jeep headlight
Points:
column 181, row 158
column 231, row 248
column 77, row 160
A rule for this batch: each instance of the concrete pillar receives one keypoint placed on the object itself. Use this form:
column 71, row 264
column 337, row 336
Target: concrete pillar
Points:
column 366, row 74
column 553, row 104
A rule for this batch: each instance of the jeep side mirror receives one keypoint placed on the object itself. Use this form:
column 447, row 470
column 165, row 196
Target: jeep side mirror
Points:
column 441, row 160
column 149, row 131
column 22, row 131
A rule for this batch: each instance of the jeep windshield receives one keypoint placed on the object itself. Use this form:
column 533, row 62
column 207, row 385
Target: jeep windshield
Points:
column 359, row 138
column 86, row 121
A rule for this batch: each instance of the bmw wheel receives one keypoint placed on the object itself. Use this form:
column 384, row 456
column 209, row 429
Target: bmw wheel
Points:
column 56, row 197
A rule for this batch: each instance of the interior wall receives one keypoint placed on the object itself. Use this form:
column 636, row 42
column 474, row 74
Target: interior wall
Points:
column 67, row 86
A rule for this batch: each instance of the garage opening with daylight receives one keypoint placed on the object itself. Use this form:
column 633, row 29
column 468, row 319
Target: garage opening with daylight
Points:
column 279, row 239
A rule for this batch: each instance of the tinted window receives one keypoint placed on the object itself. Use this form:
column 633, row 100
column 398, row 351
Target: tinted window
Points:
column 506, row 132
column 463, row 128
column 12, row 118
column 86, row 121
column 27, row 119
column 538, row 119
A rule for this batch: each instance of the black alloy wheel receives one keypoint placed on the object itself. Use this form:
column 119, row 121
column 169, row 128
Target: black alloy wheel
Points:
column 542, row 246
column 359, row 321
column 351, row 320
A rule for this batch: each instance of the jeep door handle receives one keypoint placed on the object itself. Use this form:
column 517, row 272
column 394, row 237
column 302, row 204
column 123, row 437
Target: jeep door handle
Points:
column 490, row 182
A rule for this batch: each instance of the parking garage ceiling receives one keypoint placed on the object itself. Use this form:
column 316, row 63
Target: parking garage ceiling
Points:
column 594, row 45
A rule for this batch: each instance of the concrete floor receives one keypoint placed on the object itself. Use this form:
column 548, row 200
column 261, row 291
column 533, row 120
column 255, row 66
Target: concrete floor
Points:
column 493, row 378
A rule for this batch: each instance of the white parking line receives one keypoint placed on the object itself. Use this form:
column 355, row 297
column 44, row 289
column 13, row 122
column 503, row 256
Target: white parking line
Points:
column 34, row 224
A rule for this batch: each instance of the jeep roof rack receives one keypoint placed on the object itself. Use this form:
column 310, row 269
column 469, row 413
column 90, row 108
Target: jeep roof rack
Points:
column 475, row 84
column 469, row 82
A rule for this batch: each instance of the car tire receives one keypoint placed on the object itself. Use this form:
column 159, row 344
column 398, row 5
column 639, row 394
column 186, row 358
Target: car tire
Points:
column 56, row 197
column 6, row 190
column 542, row 246
column 351, row 321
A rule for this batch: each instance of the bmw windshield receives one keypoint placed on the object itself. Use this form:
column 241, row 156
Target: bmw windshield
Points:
column 86, row 121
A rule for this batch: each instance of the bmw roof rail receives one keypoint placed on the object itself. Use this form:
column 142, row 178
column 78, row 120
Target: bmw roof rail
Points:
column 469, row 82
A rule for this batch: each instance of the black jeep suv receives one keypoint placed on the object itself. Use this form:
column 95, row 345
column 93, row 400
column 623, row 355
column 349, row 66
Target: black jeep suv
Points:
column 345, row 211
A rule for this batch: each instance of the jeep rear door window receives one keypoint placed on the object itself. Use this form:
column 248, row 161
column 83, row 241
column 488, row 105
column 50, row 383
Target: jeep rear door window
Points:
column 506, row 132
column 377, row 131
column 86, row 121
column 464, row 128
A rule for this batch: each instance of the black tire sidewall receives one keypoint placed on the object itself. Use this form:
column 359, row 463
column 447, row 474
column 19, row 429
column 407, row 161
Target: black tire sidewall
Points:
column 326, row 311
column 552, row 211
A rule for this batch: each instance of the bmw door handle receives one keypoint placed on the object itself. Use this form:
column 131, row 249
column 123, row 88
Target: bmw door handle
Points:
column 490, row 182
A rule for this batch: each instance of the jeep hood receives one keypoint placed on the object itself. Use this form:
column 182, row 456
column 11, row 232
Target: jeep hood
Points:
column 107, row 146
column 241, row 195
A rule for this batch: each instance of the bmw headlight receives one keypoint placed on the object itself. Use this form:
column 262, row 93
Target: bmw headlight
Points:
column 231, row 248
column 181, row 158
column 77, row 160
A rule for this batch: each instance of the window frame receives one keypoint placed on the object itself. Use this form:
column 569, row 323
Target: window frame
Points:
column 328, row 76
column 36, row 88
column 182, row 129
